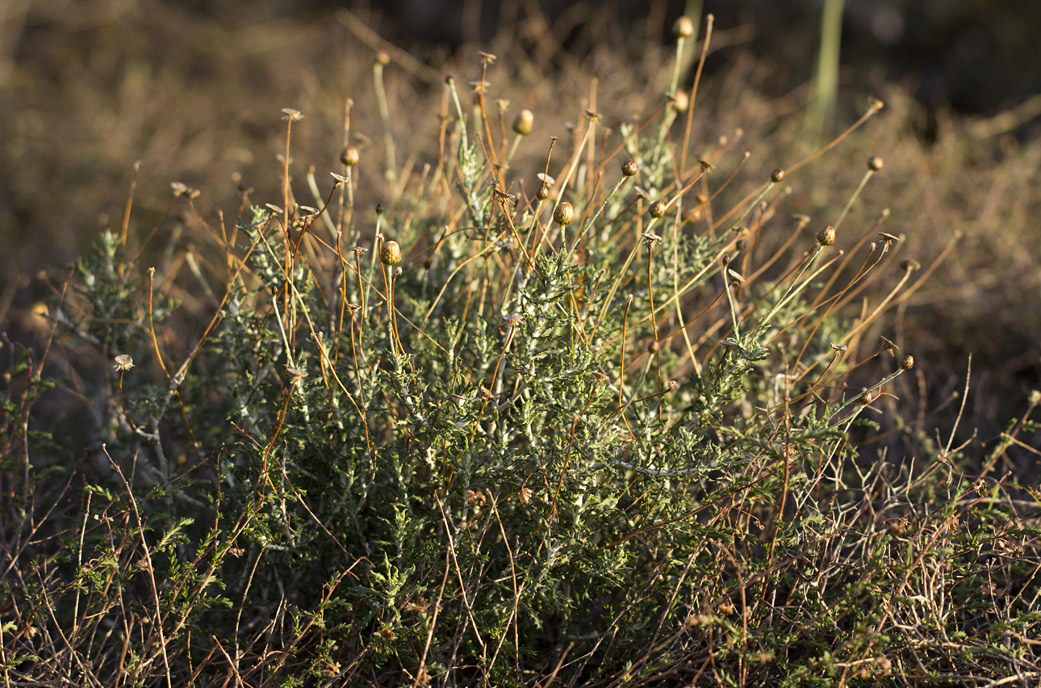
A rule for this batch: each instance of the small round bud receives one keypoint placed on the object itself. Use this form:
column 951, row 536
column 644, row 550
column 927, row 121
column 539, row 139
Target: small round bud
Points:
column 826, row 237
column 383, row 57
column 523, row 124
column 564, row 214
column 629, row 168
column 874, row 163
column 390, row 254
column 449, row 79
column 680, row 101
column 653, row 347
column 683, row 27
column 350, row 156
column 740, row 245
column 657, row 210
column 379, row 208
column 907, row 362
column 910, row 265
column 543, row 192
column 777, row 175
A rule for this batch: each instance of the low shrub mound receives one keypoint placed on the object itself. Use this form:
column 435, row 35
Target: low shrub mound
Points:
column 619, row 416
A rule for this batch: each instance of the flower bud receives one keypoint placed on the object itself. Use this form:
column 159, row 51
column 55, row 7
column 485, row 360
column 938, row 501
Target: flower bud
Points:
column 350, row 156
column 657, row 210
column 826, row 237
column 390, row 254
column 907, row 362
column 523, row 124
column 629, row 168
column 680, row 101
column 874, row 163
column 564, row 214
column 683, row 27
column 777, row 175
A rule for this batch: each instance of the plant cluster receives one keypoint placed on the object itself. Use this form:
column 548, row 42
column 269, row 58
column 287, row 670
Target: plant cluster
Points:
column 613, row 423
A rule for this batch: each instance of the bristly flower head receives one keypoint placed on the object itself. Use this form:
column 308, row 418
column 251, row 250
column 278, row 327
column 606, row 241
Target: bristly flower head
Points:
column 390, row 254
column 564, row 214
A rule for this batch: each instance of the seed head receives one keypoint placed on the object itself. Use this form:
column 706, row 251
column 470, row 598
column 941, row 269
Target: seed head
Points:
column 350, row 156
column 379, row 208
column 543, row 191
column 910, row 265
column 123, row 362
column 874, row 163
column 653, row 347
column 777, row 175
column 390, row 254
column 524, row 122
column 907, row 362
column 888, row 238
column 564, row 214
column 683, row 27
column 826, row 237
column 383, row 57
column 629, row 168
column 657, row 210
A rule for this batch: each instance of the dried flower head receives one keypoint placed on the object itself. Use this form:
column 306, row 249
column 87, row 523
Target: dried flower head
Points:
column 874, row 163
column 123, row 362
column 390, row 254
column 910, row 265
column 888, row 238
column 512, row 320
column 650, row 238
column 564, row 214
column 657, row 210
column 184, row 190
column 777, row 175
column 907, row 362
column 629, row 168
column 350, row 156
column 826, row 237
column 291, row 115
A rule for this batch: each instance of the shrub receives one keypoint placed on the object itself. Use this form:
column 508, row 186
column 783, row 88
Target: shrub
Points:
column 613, row 424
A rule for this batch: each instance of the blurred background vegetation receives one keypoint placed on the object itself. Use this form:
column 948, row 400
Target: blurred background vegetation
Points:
column 194, row 91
